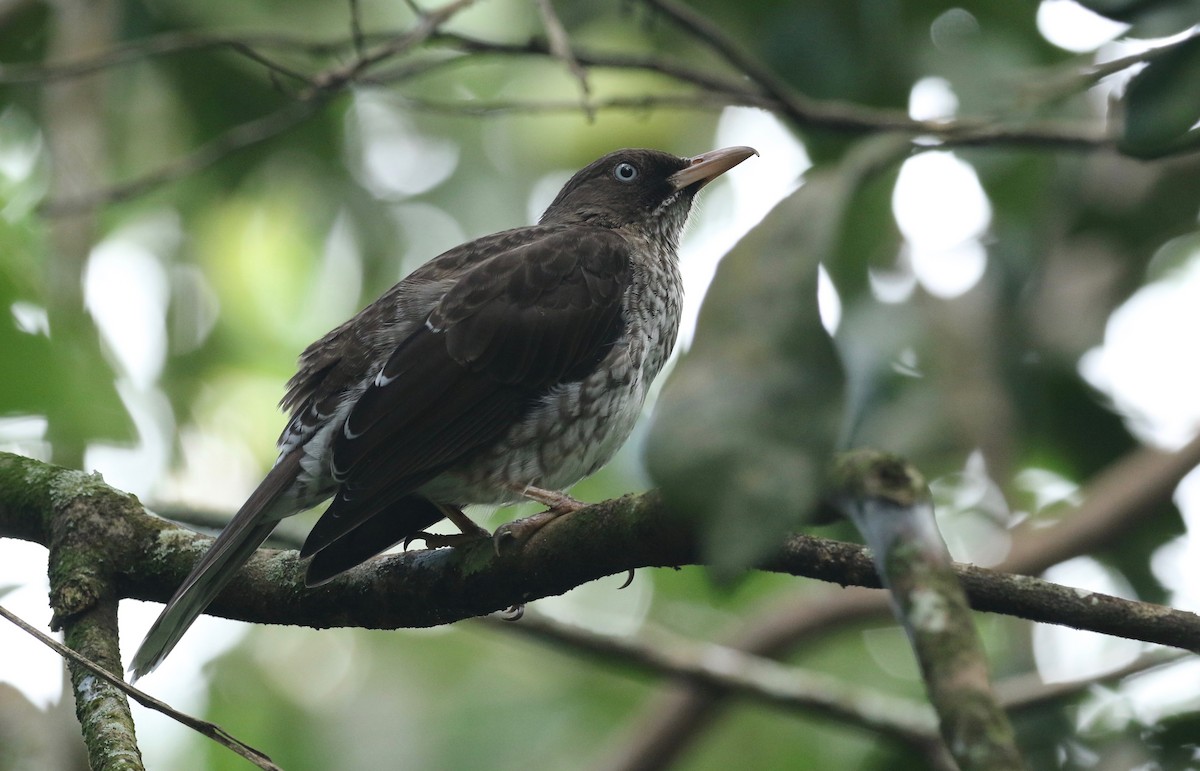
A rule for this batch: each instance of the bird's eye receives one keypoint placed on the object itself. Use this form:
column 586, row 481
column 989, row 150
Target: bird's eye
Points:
column 625, row 172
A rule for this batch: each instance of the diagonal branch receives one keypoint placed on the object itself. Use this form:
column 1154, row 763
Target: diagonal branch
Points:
column 1114, row 501
column 322, row 87
column 560, row 47
column 432, row 587
column 84, row 664
column 235, row 139
column 712, row 666
column 856, row 118
column 909, row 722
column 425, row 588
column 889, row 502
column 427, row 24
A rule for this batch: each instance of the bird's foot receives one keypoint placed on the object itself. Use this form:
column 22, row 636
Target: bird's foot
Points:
column 553, row 500
column 469, row 532
column 438, row 540
column 511, row 536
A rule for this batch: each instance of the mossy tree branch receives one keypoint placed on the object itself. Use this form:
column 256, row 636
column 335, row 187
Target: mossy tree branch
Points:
column 105, row 546
column 889, row 502
column 150, row 556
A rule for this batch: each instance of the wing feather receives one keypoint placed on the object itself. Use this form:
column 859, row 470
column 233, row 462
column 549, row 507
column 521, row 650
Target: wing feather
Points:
column 535, row 314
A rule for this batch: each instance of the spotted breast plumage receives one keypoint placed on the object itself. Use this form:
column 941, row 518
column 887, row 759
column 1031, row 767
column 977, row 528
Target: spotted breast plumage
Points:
column 511, row 366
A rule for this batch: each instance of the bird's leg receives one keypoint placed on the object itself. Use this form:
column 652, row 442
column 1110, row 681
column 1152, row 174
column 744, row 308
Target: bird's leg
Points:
column 468, row 531
column 514, row 535
column 553, row 500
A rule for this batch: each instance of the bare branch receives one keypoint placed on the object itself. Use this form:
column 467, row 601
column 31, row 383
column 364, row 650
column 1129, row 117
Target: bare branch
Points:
column 845, row 117
column 427, row 24
column 102, row 709
column 170, row 44
column 701, row 101
column 888, row 500
column 431, row 587
column 1027, row 691
column 1113, row 501
column 253, row 132
column 211, row 730
column 602, row 59
column 560, row 48
column 356, row 30
column 236, row 138
column 1098, row 72
column 758, row 88
column 909, row 722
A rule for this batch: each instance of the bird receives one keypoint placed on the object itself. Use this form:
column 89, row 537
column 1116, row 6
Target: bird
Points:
column 507, row 368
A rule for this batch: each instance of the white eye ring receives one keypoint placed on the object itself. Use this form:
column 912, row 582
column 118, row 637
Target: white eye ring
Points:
column 625, row 172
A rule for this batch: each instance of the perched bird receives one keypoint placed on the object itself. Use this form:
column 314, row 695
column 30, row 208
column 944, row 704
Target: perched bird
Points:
column 511, row 366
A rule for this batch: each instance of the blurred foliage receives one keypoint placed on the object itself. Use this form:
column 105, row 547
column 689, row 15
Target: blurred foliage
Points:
column 1161, row 116
column 764, row 374
column 245, row 261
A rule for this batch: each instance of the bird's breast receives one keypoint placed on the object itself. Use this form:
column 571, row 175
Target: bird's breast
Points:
column 576, row 427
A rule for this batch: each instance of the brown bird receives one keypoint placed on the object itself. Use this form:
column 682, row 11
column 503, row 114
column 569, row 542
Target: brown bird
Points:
column 511, row 366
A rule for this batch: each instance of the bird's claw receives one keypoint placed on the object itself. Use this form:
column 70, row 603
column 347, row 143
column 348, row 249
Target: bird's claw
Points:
column 512, row 536
column 511, row 613
column 628, row 579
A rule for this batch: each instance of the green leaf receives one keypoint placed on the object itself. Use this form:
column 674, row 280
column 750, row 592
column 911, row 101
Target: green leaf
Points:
column 747, row 421
column 64, row 375
column 1162, row 104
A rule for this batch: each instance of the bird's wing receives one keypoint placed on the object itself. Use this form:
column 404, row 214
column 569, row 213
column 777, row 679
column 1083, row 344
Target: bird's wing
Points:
column 533, row 315
column 332, row 368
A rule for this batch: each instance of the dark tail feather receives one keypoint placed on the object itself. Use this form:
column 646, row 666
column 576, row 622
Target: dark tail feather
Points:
column 390, row 526
column 240, row 538
column 350, row 510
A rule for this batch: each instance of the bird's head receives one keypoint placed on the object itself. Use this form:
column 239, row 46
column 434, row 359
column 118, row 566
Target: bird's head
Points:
column 627, row 187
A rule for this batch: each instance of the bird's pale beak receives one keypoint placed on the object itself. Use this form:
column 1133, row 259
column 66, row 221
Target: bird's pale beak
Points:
column 706, row 167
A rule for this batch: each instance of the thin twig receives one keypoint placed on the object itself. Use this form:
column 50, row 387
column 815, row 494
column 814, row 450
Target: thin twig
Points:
column 273, row 67
column 261, row 129
column 1026, row 691
column 847, row 117
column 356, row 29
column 560, row 48
column 823, row 114
column 236, row 138
column 203, row 727
column 1101, row 70
column 705, row 30
column 1113, row 501
column 678, row 71
column 701, row 101
column 170, row 44
column 902, row 719
column 427, row 24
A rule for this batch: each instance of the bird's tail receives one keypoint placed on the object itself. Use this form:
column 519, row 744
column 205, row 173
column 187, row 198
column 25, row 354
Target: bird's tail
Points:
column 240, row 538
